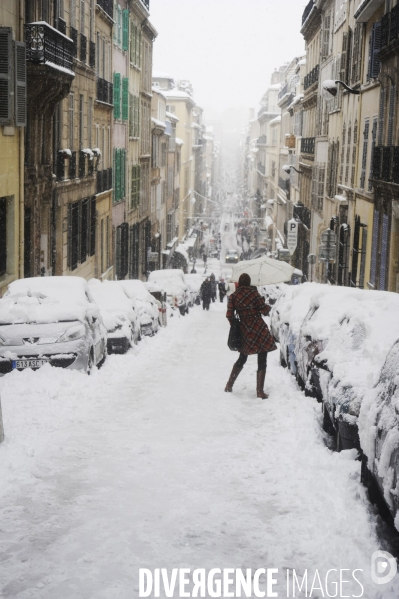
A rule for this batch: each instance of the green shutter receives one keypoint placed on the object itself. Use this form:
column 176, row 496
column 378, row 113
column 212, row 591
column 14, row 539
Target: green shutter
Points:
column 114, row 176
column 117, row 174
column 125, row 98
column 117, row 95
column 125, row 30
column 123, row 163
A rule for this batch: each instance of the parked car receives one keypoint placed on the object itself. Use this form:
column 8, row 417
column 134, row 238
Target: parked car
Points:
column 50, row 320
column 119, row 314
column 232, row 257
column 160, row 296
column 379, row 436
column 147, row 305
column 194, row 282
column 172, row 281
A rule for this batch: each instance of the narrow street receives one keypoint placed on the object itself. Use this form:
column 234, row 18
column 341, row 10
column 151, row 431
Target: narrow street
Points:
column 148, row 463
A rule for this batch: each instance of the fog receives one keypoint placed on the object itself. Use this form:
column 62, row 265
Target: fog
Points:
column 226, row 48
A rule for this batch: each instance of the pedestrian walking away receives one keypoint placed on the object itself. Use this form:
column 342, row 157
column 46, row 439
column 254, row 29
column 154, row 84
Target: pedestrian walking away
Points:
column 206, row 293
column 255, row 335
column 204, row 257
column 222, row 290
column 213, row 287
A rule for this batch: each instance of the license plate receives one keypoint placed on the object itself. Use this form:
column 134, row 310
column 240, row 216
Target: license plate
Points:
column 28, row 363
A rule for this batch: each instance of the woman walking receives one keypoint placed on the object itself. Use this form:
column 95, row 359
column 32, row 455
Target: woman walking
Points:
column 255, row 335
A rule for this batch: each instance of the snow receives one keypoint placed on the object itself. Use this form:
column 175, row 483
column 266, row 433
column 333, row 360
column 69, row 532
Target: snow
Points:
column 148, row 463
column 179, row 141
column 115, row 307
column 46, row 300
column 182, row 250
column 66, row 151
column 158, row 123
column 59, row 68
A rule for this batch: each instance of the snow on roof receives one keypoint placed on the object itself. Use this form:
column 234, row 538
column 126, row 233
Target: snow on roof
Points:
column 179, row 141
column 177, row 94
column 161, row 124
column 277, row 119
column 172, row 116
column 46, row 300
column 161, row 75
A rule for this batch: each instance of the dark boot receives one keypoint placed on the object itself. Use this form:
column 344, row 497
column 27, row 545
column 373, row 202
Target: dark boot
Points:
column 234, row 374
column 260, row 381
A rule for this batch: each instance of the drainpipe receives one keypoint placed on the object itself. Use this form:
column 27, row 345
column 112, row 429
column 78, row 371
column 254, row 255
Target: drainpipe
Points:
column 21, row 136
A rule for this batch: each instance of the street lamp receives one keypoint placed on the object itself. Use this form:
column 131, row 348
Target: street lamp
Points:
column 330, row 88
column 287, row 168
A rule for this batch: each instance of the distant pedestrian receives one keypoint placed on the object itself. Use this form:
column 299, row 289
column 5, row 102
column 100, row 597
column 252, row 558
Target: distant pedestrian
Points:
column 213, row 287
column 222, row 290
column 255, row 335
column 205, row 257
column 206, row 292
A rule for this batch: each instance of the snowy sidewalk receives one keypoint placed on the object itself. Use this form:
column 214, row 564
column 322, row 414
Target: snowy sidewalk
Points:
column 149, row 464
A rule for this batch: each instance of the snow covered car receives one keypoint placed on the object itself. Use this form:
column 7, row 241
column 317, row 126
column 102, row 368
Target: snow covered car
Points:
column 160, row 296
column 172, row 281
column 231, row 257
column 119, row 314
column 344, row 341
column 194, row 282
column 147, row 305
column 379, row 435
column 50, row 320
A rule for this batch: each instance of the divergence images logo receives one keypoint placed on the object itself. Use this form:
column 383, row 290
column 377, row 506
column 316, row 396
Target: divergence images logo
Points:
column 383, row 567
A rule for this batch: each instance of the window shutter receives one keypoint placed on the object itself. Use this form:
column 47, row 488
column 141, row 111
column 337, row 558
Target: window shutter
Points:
column 20, row 84
column 125, row 98
column 118, row 175
column 384, row 253
column 374, row 48
column 344, row 54
column 365, row 149
column 123, row 177
column 93, row 222
column 381, row 117
column 117, row 95
column 329, row 169
column 320, row 188
column 119, row 22
column 391, row 114
column 69, row 237
column 374, row 247
column 3, row 236
column 5, row 75
column 373, row 144
column 125, row 30
column 326, row 36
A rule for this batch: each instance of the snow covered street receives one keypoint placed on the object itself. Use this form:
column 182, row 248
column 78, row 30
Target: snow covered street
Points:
column 149, row 464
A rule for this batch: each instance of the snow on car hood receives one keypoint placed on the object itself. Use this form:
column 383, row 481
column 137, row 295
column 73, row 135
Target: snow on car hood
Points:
column 46, row 300
column 115, row 307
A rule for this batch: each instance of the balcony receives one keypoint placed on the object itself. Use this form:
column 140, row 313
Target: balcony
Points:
column 311, row 77
column 385, row 164
column 283, row 91
column 146, row 4
column 107, row 6
column 307, row 11
column 104, row 91
column 261, row 140
column 307, row 145
column 46, row 45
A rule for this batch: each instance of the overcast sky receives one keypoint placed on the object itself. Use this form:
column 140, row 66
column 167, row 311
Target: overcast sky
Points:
column 226, row 48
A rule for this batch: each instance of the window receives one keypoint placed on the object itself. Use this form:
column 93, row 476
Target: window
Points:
column 12, row 78
column 72, row 13
column 135, row 187
column 81, row 121
column 374, row 64
column 81, row 231
column 365, row 151
column 71, row 121
column 119, row 25
column 373, row 144
column 326, row 36
column 354, row 153
column 357, row 54
column 381, row 117
column 122, row 250
column 163, row 154
column 134, row 111
column 318, row 173
column 90, row 123
column 331, row 183
column 135, row 45
column 391, row 114
column 117, row 95
column 119, row 174
column 82, row 16
column 125, row 98
column 3, row 236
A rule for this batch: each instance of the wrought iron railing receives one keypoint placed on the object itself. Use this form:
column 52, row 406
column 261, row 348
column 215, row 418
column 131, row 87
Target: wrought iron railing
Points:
column 377, row 162
column 307, row 145
column 307, row 11
column 107, row 6
column 311, row 77
column 45, row 44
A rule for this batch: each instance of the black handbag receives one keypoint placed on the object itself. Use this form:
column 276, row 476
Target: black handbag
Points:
column 234, row 341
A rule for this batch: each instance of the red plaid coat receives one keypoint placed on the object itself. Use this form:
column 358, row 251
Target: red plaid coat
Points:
column 255, row 334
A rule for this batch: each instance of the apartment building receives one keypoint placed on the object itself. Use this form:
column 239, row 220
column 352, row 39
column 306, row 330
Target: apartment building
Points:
column 13, row 115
